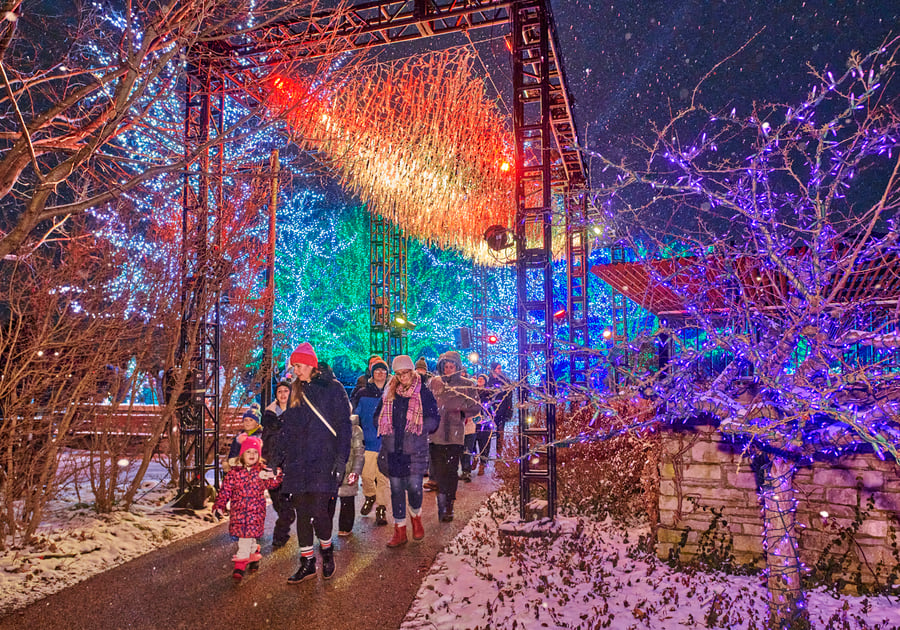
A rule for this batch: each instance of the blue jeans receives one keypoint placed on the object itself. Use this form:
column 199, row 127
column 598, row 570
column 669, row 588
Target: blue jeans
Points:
column 401, row 488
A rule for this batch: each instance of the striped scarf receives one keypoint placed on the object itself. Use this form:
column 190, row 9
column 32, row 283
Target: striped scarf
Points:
column 413, row 412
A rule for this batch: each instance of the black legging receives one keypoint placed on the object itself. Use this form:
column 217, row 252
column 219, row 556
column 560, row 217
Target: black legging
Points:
column 483, row 445
column 312, row 514
column 445, row 458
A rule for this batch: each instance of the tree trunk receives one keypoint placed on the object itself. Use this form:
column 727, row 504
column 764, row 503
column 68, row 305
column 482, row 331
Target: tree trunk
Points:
column 787, row 602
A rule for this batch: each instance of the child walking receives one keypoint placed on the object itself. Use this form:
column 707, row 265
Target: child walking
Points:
column 245, row 486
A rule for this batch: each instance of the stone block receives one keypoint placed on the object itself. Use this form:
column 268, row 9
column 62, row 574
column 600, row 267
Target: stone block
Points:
column 711, row 452
column 872, row 479
column 703, row 471
column 752, row 529
column 666, row 471
column 811, row 513
column 666, row 535
column 874, row 528
column 667, row 518
column 743, row 480
column 835, row 478
column 748, row 544
column 841, row 496
column 887, row 501
column 667, row 488
column 668, row 503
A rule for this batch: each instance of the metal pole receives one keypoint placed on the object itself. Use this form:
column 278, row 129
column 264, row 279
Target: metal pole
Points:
column 269, row 325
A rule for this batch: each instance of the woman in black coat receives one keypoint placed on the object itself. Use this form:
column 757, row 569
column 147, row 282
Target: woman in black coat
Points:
column 315, row 446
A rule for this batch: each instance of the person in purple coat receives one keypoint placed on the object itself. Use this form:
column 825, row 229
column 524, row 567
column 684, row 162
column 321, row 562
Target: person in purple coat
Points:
column 245, row 488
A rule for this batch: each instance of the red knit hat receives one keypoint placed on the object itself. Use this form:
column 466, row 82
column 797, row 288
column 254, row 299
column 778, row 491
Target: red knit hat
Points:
column 305, row 355
column 250, row 442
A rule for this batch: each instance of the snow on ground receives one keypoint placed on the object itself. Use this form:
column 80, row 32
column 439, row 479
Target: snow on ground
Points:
column 74, row 542
column 592, row 576
column 595, row 577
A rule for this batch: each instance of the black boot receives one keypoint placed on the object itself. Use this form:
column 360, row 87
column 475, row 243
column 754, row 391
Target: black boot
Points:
column 307, row 570
column 367, row 506
column 449, row 515
column 381, row 515
column 442, row 506
column 327, row 562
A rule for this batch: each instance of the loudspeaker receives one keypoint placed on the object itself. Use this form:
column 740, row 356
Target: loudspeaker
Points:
column 462, row 338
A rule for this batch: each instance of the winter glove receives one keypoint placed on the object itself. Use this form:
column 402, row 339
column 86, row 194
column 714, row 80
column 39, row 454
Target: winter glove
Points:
column 352, row 478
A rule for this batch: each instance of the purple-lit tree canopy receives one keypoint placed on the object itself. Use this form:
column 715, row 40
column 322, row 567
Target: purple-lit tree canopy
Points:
column 782, row 301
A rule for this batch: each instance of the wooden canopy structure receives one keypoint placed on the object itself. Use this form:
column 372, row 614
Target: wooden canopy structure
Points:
column 670, row 287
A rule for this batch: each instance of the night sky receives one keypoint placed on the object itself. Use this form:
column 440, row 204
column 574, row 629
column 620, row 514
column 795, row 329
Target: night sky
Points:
column 630, row 63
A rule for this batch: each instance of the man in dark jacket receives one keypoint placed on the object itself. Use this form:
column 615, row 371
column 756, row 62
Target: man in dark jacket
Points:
column 502, row 402
column 456, row 398
column 375, row 485
column 315, row 446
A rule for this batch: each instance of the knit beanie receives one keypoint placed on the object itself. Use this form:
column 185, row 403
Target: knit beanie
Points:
column 377, row 362
column 304, row 355
column 253, row 412
column 402, row 362
column 250, row 442
column 422, row 364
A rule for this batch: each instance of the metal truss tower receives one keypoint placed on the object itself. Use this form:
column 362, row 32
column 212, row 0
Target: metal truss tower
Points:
column 534, row 257
column 548, row 161
column 388, row 276
column 619, row 355
column 198, row 353
column 480, row 312
column 577, row 288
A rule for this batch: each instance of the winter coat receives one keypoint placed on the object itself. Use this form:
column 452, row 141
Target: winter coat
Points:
column 313, row 459
column 356, row 461
column 364, row 401
column 244, row 488
column 456, row 398
column 271, row 430
column 502, row 398
column 416, row 446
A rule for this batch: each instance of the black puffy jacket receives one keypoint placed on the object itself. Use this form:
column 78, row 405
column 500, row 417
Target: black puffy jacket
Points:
column 313, row 459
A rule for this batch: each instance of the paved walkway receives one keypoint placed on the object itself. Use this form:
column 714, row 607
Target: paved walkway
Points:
column 188, row 584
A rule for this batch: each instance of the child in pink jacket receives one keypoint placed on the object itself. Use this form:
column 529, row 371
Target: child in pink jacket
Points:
column 245, row 487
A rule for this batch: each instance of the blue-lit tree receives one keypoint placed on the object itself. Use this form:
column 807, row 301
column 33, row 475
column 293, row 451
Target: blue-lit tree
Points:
column 786, row 217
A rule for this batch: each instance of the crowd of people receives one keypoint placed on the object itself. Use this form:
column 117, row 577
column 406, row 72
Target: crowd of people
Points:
column 314, row 446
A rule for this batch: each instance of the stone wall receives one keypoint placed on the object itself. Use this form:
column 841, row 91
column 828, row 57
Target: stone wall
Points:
column 701, row 475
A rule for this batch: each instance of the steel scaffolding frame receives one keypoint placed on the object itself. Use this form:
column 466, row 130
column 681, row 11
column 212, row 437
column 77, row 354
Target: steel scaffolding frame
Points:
column 388, row 280
column 547, row 157
column 577, row 288
column 198, row 353
column 620, row 355
column 534, row 256
column 480, row 313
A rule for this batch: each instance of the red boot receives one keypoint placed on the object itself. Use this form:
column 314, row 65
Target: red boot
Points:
column 399, row 538
column 240, row 566
column 418, row 530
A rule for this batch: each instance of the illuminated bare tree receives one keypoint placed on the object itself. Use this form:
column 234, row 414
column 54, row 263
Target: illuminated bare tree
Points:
column 776, row 232
column 90, row 104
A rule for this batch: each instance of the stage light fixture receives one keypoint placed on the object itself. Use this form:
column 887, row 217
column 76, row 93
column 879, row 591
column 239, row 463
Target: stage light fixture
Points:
column 498, row 238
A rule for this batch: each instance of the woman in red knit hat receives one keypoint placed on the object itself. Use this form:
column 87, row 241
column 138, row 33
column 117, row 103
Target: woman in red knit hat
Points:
column 315, row 446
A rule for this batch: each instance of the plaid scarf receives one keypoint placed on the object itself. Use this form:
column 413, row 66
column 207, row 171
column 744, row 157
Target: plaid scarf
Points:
column 413, row 412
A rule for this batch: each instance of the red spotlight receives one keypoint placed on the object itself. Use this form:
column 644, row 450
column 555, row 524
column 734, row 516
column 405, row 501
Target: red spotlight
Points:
column 492, row 339
column 561, row 313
